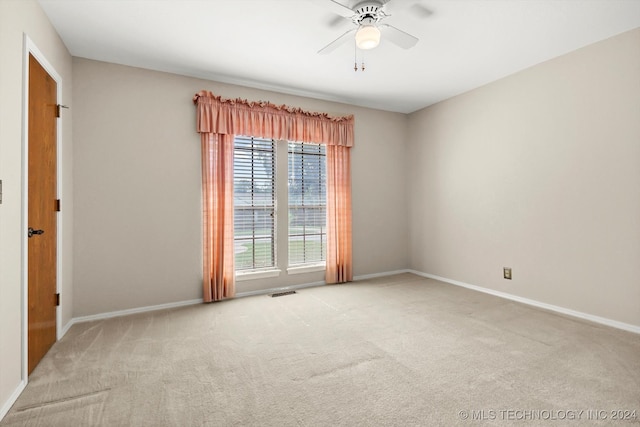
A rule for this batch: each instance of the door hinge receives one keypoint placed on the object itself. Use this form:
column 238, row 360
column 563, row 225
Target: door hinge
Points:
column 57, row 205
column 57, row 300
column 58, row 107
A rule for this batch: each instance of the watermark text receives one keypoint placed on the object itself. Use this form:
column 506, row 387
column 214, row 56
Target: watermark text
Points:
column 549, row 414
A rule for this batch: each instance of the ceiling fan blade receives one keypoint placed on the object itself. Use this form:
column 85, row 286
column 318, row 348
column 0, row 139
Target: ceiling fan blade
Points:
column 417, row 9
column 398, row 37
column 335, row 7
column 338, row 42
column 421, row 11
column 339, row 21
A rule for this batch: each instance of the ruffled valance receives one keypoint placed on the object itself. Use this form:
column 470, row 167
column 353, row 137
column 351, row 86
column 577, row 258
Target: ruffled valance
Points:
column 267, row 120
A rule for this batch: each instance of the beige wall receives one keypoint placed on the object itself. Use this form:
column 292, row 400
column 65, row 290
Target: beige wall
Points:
column 539, row 171
column 137, row 187
column 18, row 18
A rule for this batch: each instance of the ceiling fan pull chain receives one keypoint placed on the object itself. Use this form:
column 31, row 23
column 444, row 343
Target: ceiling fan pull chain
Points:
column 355, row 57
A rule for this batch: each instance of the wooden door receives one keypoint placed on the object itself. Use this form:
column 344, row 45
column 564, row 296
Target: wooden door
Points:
column 41, row 212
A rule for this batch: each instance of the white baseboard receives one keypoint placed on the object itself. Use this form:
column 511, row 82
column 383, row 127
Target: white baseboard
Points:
column 127, row 312
column 569, row 312
column 66, row 328
column 12, row 399
column 383, row 274
column 282, row 289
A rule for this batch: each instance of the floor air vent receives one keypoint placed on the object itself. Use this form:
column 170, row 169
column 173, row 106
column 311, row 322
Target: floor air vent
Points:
column 281, row 294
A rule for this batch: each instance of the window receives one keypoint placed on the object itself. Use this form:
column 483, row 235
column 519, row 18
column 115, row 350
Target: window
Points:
column 259, row 187
column 307, row 203
column 254, row 203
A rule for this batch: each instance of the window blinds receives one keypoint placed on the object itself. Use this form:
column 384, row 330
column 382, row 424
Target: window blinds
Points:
column 307, row 203
column 254, row 203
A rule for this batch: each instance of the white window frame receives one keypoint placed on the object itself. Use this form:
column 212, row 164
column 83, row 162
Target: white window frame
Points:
column 281, row 226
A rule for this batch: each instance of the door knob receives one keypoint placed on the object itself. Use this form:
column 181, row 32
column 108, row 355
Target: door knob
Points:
column 31, row 232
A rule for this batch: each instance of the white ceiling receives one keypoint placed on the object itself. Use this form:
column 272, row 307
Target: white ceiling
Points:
column 272, row 44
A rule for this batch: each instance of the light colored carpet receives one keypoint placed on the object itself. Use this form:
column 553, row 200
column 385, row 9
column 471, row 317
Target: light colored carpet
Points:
column 393, row 351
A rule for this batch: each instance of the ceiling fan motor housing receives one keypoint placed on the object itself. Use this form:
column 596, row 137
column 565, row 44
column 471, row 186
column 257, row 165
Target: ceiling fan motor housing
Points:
column 368, row 13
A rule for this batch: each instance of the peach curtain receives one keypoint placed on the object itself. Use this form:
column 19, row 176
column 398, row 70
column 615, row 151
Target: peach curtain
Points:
column 266, row 120
column 339, row 258
column 217, row 216
column 218, row 120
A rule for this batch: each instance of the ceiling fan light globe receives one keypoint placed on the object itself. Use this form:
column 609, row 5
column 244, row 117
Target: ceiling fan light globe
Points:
column 367, row 37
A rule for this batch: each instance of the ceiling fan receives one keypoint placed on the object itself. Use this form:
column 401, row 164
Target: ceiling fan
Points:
column 367, row 16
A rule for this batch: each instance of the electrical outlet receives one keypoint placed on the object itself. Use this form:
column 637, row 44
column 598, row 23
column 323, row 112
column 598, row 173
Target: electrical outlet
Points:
column 506, row 272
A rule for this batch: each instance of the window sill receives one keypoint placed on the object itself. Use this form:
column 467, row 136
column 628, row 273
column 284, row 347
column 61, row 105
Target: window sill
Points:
column 306, row 268
column 256, row 274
